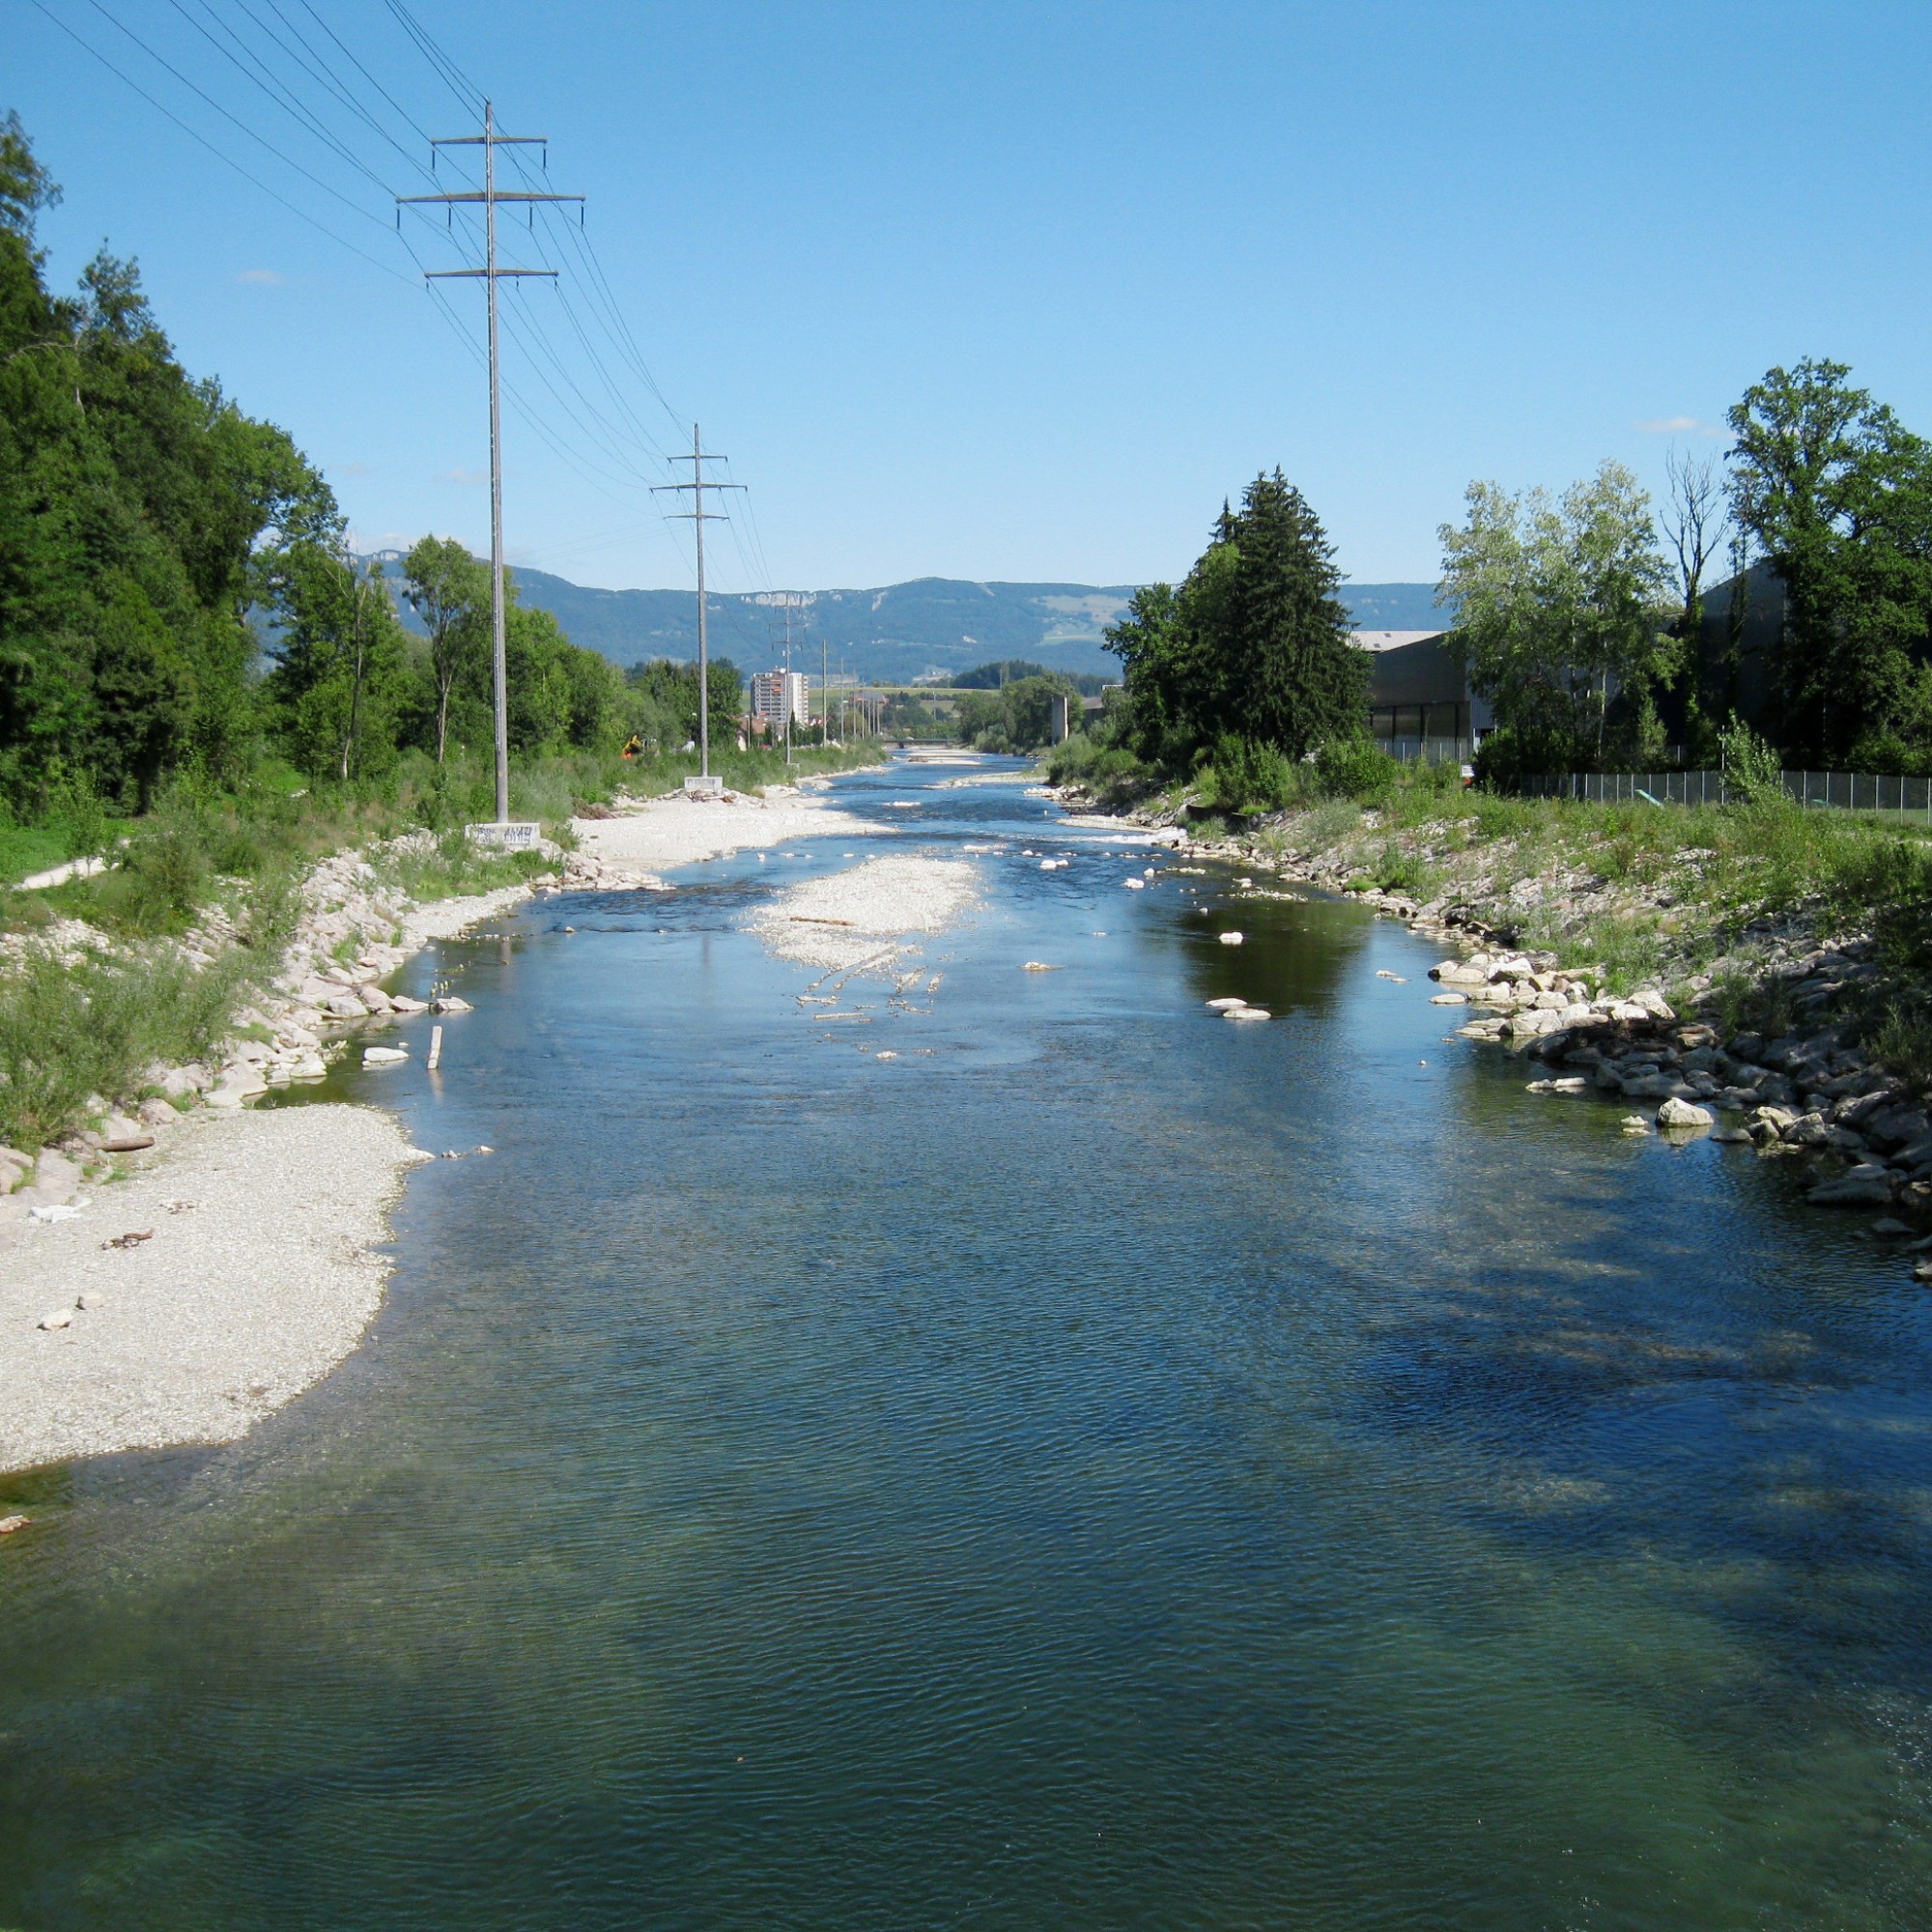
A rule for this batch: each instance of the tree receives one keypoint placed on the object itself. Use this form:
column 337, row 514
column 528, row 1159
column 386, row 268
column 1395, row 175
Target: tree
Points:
column 1838, row 495
column 1017, row 717
column 1255, row 642
column 26, row 185
column 449, row 590
column 666, row 694
column 1697, row 523
column 139, row 508
column 1560, row 616
column 1293, row 675
column 1152, row 646
column 339, row 663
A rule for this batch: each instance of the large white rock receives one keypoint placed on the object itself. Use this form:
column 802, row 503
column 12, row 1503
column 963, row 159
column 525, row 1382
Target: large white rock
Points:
column 382, row 1056
column 1233, row 938
column 1675, row 1113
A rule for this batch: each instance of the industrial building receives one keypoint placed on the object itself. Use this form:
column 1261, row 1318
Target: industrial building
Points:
column 1420, row 704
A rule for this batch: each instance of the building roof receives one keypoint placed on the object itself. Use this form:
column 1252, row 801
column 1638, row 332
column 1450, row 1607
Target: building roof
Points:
column 1379, row 642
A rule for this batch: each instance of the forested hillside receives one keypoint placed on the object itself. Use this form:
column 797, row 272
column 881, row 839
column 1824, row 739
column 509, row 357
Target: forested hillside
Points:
column 178, row 596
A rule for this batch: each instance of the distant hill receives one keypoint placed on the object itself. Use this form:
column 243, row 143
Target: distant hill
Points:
column 905, row 631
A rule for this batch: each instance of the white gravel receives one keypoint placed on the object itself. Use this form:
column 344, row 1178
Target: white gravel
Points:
column 868, row 914
column 680, row 831
column 236, row 1304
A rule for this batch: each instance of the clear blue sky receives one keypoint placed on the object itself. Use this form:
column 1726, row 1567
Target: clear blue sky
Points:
column 1021, row 292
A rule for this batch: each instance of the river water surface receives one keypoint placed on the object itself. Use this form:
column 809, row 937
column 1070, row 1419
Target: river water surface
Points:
column 1104, row 1467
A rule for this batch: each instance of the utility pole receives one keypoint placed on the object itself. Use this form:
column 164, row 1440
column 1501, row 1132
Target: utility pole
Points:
column 825, row 697
column 698, row 516
column 787, row 680
column 490, row 274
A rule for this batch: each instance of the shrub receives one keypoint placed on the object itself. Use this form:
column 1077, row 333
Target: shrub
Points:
column 1250, row 776
column 1357, row 768
column 1749, row 765
column 70, row 1030
column 167, row 871
column 1886, row 751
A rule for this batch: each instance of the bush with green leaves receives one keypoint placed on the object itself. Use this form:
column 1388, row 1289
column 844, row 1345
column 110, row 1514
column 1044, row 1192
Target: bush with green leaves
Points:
column 1248, row 776
column 69, row 1030
column 1357, row 768
column 1749, row 764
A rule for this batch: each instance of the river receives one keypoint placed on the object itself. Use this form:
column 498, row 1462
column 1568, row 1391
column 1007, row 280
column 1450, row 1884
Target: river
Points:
column 1104, row 1467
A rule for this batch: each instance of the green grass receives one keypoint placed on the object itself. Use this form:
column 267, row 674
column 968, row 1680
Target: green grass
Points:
column 27, row 849
column 70, row 1031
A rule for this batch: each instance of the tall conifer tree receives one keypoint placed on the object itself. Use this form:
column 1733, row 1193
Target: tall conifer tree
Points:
column 1293, row 676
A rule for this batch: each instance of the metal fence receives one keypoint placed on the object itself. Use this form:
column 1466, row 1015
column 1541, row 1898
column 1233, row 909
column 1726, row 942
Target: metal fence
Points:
column 1430, row 751
column 1843, row 791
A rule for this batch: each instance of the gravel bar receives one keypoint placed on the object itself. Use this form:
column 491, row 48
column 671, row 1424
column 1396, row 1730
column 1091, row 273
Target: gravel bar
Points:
column 234, row 1305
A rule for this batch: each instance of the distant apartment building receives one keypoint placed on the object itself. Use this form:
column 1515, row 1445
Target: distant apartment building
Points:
column 779, row 697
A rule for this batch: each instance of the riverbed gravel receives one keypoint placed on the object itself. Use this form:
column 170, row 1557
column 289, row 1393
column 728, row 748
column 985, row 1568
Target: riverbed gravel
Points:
column 868, row 914
column 681, row 830
column 257, row 1272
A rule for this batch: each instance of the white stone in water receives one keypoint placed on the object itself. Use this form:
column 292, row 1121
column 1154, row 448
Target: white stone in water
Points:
column 382, row 1056
column 1676, row 1113
column 1134, row 885
column 1449, row 999
column 1247, row 1014
column 1233, row 938
column 1224, row 1006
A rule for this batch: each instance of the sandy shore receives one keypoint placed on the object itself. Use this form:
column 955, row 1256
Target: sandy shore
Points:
column 237, row 1303
column 679, row 831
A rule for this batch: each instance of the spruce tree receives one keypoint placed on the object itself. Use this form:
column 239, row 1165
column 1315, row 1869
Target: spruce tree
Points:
column 1291, row 675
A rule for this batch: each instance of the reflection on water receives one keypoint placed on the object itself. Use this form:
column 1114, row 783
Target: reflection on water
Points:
column 1105, row 1466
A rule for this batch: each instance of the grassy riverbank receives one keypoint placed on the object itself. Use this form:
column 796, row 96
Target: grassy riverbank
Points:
column 1708, row 904
column 152, row 960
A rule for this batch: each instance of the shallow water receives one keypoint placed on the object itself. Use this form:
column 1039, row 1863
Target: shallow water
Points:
column 1104, row 1467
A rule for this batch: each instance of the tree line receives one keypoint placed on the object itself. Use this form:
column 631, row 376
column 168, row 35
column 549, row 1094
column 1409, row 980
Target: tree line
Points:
column 1584, row 619
column 177, row 593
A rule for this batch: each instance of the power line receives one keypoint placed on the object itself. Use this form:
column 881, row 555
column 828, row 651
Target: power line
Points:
column 271, row 84
column 160, row 60
column 363, row 70
column 221, row 155
column 447, row 72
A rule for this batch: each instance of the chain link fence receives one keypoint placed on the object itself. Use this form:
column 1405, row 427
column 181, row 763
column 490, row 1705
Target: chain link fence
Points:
column 1842, row 791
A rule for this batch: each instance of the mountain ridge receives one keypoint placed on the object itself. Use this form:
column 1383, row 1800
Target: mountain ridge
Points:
column 893, row 633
